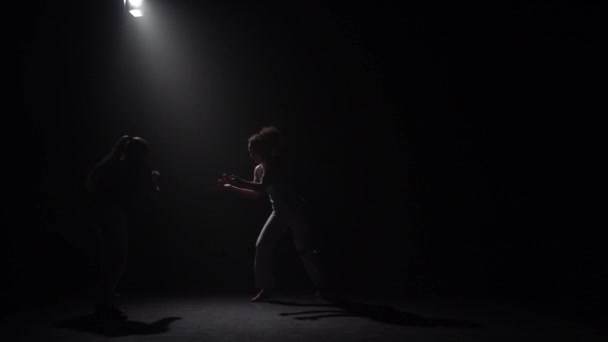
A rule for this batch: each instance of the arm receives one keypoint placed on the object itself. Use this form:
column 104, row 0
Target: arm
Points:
column 243, row 187
column 248, row 193
column 117, row 152
column 259, row 184
column 119, row 149
column 252, row 186
column 155, row 185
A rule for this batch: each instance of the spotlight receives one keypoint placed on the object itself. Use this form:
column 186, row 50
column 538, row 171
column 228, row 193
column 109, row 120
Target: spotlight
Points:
column 136, row 13
column 134, row 7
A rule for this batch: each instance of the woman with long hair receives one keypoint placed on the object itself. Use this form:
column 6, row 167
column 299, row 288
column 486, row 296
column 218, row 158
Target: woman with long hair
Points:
column 122, row 182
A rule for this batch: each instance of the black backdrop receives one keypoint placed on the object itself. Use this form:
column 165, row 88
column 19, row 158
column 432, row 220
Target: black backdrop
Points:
column 446, row 147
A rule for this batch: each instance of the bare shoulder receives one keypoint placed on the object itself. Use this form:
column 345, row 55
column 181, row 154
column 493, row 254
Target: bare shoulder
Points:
column 259, row 169
column 258, row 172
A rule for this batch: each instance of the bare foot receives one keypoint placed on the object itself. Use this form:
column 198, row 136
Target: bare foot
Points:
column 262, row 295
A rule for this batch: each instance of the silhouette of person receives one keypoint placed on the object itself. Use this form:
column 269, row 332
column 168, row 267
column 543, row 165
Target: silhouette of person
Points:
column 267, row 150
column 118, row 185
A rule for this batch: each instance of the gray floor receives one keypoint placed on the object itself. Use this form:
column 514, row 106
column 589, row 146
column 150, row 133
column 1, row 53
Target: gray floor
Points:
column 297, row 318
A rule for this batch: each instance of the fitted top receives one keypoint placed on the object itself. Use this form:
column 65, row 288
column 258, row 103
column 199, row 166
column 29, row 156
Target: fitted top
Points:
column 281, row 192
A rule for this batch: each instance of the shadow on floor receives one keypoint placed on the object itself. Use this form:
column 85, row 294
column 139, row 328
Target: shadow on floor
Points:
column 90, row 324
column 378, row 313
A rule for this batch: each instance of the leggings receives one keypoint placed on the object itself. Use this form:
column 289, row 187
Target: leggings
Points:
column 278, row 223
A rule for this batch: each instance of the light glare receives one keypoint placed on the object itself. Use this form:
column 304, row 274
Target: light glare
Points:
column 136, row 13
column 135, row 3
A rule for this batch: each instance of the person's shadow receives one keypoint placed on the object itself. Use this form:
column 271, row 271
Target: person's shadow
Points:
column 117, row 328
column 379, row 313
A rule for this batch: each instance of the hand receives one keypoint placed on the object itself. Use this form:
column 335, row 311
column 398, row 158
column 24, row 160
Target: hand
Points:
column 119, row 147
column 124, row 140
column 156, row 178
column 227, row 180
column 224, row 185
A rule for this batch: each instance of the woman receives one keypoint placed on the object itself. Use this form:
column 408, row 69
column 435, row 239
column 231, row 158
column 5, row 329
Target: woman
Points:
column 266, row 149
column 122, row 182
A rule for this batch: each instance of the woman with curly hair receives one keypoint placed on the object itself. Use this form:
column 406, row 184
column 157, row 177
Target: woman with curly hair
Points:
column 270, row 176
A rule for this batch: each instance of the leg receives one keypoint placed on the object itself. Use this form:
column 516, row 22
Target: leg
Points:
column 306, row 248
column 264, row 252
column 114, row 251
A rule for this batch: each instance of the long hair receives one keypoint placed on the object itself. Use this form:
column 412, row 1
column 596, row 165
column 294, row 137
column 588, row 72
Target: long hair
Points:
column 117, row 152
column 136, row 149
column 133, row 149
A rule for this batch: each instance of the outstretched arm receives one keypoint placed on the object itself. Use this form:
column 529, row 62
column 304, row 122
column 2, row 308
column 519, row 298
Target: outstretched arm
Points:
column 119, row 148
column 117, row 152
column 248, row 193
column 261, row 180
column 242, row 187
column 253, row 186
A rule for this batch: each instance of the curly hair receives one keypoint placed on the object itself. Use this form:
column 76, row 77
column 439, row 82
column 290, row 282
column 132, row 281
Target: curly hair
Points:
column 268, row 142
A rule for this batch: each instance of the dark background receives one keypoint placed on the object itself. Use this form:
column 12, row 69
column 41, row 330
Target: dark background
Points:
column 447, row 147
